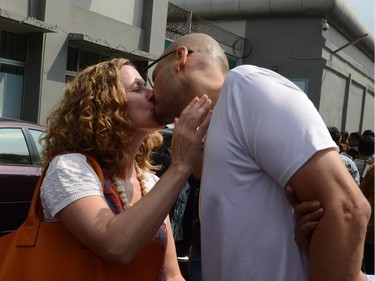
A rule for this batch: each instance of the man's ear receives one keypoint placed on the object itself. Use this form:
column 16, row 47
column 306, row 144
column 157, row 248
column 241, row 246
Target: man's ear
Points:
column 181, row 59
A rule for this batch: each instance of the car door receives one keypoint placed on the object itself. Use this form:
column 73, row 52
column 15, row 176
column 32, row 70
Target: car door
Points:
column 19, row 173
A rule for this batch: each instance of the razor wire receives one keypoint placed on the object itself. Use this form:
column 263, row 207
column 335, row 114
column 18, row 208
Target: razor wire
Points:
column 181, row 22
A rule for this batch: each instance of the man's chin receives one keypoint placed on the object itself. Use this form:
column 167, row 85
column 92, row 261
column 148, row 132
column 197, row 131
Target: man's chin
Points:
column 162, row 119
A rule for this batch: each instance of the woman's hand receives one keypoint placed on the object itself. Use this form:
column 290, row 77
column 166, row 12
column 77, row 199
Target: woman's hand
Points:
column 308, row 214
column 189, row 132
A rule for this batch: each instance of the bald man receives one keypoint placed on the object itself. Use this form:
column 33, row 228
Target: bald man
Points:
column 264, row 134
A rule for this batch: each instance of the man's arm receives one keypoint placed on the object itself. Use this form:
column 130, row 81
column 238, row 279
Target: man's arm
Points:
column 336, row 248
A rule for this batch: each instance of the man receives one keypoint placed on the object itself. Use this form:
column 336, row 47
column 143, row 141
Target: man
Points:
column 264, row 134
column 365, row 152
column 349, row 163
column 353, row 141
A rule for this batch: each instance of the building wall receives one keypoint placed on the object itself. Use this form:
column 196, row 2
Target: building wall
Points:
column 54, row 57
column 126, row 11
column 341, row 85
column 291, row 47
column 287, row 36
column 238, row 28
column 130, row 28
column 19, row 7
column 347, row 85
column 33, row 77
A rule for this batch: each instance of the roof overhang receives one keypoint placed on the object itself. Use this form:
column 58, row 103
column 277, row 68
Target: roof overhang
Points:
column 24, row 25
column 84, row 41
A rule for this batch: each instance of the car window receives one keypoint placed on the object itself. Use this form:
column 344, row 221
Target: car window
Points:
column 35, row 135
column 13, row 148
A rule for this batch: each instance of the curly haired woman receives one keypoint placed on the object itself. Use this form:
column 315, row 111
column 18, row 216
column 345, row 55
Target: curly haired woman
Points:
column 107, row 113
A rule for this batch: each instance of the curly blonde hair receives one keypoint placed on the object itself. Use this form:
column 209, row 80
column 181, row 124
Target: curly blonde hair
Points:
column 92, row 119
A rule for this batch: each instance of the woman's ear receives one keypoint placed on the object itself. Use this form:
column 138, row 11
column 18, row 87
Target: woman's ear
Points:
column 181, row 60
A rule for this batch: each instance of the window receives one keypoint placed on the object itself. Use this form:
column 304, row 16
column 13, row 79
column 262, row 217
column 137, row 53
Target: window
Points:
column 79, row 59
column 11, row 88
column 13, row 50
column 13, row 147
column 35, row 134
column 13, row 46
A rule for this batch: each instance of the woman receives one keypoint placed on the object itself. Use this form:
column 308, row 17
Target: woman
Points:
column 107, row 113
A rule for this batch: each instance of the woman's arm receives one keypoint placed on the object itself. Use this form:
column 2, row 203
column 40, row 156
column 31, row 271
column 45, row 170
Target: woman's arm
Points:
column 171, row 267
column 120, row 238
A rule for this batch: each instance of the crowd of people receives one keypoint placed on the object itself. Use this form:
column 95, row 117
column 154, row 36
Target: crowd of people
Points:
column 237, row 120
column 358, row 149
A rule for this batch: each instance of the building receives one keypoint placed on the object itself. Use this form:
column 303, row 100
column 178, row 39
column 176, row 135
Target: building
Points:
column 44, row 42
column 319, row 44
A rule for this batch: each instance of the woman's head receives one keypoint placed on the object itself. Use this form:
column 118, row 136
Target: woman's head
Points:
column 98, row 116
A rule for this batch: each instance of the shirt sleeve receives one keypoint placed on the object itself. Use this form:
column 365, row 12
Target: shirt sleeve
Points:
column 275, row 121
column 69, row 177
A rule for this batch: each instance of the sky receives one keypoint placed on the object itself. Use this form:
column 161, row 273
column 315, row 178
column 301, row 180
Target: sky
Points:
column 365, row 10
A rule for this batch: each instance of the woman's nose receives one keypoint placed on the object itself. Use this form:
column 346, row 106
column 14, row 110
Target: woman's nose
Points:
column 149, row 94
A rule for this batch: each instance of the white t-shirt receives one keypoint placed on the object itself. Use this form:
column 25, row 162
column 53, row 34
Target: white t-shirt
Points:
column 263, row 129
column 69, row 177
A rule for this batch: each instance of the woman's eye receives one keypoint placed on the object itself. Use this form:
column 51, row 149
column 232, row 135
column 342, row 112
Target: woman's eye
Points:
column 137, row 88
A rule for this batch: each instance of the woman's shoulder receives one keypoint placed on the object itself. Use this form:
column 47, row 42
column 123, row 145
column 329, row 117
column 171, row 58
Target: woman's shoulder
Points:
column 66, row 158
column 68, row 162
column 68, row 178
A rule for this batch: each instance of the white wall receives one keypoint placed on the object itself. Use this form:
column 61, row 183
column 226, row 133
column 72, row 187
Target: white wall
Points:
column 126, row 11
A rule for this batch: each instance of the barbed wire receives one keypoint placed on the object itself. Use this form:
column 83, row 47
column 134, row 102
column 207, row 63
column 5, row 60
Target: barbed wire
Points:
column 181, row 22
column 27, row 20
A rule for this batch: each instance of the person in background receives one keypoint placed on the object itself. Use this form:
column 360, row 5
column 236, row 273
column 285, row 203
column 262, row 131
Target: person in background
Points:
column 344, row 142
column 367, row 187
column 247, row 224
column 368, row 133
column 344, row 137
column 161, row 156
column 365, row 153
column 353, row 141
column 349, row 164
column 107, row 113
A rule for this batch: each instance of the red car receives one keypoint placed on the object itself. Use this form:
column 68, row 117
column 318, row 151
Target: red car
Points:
column 20, row 168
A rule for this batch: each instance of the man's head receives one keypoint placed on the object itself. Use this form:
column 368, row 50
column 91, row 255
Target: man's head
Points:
column 368, row 133
column 344, row 136
column 354, row 138
column 195, row 66
column 366, row 147
column 335, row 134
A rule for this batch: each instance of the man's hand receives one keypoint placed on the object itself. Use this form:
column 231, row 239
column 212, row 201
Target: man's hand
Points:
column 308, row 214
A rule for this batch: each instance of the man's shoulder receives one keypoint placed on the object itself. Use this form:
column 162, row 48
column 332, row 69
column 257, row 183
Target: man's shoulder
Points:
column 246, row 68
column 247, row 73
